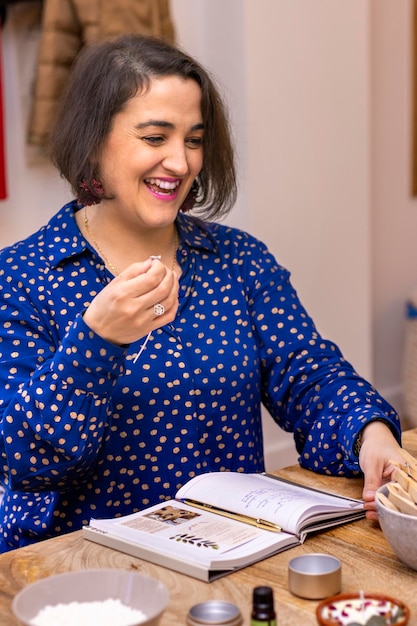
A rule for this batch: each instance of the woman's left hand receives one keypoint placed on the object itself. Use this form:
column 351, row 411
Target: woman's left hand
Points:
column 379, row 447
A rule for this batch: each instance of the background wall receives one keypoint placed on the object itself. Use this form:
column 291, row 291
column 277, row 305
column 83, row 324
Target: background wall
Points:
column 394, row 211
column 35, row 190
column 320, row 97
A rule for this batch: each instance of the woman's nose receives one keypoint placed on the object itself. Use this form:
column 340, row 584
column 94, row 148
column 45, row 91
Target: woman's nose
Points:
column 176, row 160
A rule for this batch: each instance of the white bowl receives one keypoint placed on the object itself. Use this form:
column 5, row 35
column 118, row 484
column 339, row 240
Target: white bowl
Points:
column 400, row 531
column 133, row 589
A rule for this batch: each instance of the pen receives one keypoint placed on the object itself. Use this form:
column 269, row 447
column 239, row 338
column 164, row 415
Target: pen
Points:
column 253, row 521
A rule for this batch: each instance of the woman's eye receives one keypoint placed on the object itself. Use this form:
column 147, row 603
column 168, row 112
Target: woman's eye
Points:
column 154, row 140
column 157, row 140
column 195, row 142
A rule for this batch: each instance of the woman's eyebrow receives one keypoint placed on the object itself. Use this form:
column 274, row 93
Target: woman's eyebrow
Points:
column 164, row 124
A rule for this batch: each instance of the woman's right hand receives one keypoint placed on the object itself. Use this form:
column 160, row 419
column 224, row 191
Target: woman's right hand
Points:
column 123, row 311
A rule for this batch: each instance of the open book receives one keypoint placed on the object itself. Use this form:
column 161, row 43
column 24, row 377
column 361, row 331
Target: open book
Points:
column 223, row 521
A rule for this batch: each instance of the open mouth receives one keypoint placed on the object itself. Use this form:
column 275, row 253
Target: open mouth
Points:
column 164, row 187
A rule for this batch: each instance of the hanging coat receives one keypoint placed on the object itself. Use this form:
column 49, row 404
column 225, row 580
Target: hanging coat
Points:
column 67, row 25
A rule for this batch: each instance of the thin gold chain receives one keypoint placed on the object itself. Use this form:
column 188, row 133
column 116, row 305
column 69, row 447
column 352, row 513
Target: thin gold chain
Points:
column 106, row 260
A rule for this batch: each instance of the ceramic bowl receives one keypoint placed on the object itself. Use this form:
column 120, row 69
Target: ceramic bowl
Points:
column 351, row 604
column 136, row 590
column 400, row 531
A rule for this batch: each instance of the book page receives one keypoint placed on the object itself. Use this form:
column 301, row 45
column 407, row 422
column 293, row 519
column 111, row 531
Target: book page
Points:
column 173, row 533
column 265, row 498
column 182, row 524
column 184, row 528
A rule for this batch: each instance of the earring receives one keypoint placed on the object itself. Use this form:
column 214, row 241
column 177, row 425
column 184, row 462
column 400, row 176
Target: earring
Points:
column 190, row 198
column 91, row 194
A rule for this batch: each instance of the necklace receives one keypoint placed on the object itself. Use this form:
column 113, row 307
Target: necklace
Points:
column 108, row 262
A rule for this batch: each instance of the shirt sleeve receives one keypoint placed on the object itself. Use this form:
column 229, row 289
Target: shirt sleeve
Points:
column 55, row 406
column 307, row 385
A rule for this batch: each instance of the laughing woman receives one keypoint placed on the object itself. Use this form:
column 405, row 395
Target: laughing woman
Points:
column 138, row 336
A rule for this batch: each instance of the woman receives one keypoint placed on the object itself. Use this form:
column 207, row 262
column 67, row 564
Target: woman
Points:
column 138, row 342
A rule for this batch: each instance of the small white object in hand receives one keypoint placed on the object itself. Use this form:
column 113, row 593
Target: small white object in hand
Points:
column 106, row 613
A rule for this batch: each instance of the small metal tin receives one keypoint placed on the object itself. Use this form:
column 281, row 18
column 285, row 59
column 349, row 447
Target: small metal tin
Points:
column 314, row 576
column 214, row 612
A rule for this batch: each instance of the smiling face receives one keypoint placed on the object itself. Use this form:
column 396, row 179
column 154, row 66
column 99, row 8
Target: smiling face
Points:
column 153, row 153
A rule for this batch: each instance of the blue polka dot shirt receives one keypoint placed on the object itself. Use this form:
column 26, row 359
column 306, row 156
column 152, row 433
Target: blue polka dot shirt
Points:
column 87, row 432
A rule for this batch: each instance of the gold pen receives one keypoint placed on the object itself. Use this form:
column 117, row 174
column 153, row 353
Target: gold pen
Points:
column 253, row 521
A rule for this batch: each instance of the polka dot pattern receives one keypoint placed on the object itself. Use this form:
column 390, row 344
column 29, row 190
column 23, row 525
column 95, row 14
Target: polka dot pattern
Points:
column 88, row 432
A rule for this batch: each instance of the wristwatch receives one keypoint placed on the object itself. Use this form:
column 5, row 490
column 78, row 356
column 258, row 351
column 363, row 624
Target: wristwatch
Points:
column 358, row 444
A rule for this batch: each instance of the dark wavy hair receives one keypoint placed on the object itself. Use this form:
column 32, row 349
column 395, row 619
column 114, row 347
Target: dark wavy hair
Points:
column 105, row 76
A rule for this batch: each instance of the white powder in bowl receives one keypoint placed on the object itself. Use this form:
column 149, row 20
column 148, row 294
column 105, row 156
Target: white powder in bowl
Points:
column 106, row 613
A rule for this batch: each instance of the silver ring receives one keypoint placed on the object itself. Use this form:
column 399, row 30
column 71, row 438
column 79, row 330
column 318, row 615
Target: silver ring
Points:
column 158, row 309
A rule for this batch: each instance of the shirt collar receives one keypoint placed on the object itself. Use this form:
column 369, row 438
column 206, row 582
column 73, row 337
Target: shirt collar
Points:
column 64, row 240
column 195, row 233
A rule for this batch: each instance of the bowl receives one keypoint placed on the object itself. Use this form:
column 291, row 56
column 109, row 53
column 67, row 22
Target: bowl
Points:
column 313, row 576
column 400, row 531
column 102, row 586
column 360, row 609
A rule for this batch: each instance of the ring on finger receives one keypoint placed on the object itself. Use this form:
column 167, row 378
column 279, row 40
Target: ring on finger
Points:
column 158, row 309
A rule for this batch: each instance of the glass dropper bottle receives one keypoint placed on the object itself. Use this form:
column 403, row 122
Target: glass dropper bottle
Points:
column 263, row 612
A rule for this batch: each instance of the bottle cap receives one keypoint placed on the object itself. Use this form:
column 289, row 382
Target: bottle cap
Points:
column 263, row 598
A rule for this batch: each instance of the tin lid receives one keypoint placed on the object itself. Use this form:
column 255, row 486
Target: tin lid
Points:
column 215, row 612
column 314, row 576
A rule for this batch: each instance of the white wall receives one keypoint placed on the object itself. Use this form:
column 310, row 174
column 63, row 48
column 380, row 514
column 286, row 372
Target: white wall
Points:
column 35, row 191
column 394, row 210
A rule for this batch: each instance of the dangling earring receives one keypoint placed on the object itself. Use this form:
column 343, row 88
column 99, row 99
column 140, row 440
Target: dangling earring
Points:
column 90, row 194
column 190, row 198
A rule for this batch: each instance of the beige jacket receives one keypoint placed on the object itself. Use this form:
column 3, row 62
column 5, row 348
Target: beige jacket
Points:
column 67, row 25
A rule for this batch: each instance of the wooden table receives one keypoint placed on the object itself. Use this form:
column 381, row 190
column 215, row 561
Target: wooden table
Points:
column 368, row 563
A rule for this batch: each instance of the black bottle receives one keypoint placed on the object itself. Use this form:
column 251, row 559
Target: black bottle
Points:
column 263, row 612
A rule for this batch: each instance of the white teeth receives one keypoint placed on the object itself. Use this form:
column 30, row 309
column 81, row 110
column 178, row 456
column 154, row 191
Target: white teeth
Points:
column 163, row 184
